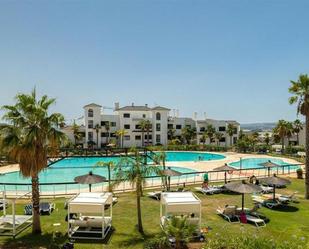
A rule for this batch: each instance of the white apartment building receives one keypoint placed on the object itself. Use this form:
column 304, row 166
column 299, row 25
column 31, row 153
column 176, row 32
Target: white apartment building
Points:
column 128, row 118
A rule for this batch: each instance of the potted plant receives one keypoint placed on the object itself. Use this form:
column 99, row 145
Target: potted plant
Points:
column 299, row 173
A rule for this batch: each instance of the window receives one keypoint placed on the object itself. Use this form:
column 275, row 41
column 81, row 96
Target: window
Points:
column 158, row 116
column 104, row 134
column 103, row 123
column 138, row 137
column 127, row 137
column 90, row 136
column 158, row 138
column 90, row 124
column 90, row 113
column 178, row 127
column 202, row 129
column 137, row 127
column 170, row 126
column 221, row 128
column 144, row 115
column 126, row 115
column 234, row 140
column 113, row 124
column 112, row 134
column 158, row 127
column 222, row 139
column 150, row 136
column 126, row 126
column 235, row 130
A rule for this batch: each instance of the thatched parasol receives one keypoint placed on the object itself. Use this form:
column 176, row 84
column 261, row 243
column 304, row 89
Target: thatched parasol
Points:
column 90, row 179
column 224, row 168
column 269, row 164
column 170, row 172
column 243, row 188
column 276, row 182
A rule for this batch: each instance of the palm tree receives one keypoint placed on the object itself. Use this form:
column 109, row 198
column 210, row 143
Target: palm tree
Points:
column 218, row 137
column 120, row 134
column 160, row 158
column 31, row 133
column 144, row 126
column 171, row 134
column 230, row 131
column 110, row 165
column 289, row 131
column 107, row 128
column 281, row 131
column 135, row 173
column 97, row 130
column 300, row 90
column 298, row 126
column 76, row 133
column 210, row 131
column 188, row 133
column 179, row 229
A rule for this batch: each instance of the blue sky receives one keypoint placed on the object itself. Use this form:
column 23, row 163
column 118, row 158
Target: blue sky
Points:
column 231, row 59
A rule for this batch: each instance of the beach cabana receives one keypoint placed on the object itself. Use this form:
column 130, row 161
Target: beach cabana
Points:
column 92, row 220
column 181, row 204
column 13, row 224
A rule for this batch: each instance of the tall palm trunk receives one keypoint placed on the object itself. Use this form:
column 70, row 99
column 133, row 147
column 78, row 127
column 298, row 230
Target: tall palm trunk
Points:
column 282, row 145
column 97, row 139
column 147, row 136
column 138, row 206
column 307, row 158
column 36, row 225
column 297, row 136
column 143, row 138
column 121, row 141
column 231, row 140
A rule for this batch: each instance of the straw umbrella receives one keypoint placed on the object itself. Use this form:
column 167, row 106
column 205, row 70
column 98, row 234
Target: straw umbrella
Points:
column 169, row 172
column 224, row 168
column 89, row 179
column 276, row 182
column 243, row 188
column 269, row 164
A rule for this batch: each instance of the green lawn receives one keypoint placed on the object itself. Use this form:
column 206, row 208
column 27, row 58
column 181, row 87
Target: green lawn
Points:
column 286, row 224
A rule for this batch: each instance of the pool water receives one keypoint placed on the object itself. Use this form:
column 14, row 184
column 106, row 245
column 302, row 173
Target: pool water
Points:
column 67, row 169
column 250, row 163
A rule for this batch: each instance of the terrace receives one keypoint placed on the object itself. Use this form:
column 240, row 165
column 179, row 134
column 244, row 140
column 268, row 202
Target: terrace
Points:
column 285, row 224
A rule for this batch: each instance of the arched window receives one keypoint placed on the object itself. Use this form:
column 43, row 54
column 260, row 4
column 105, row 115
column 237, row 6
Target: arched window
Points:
column 90, row 113
column 158, row 116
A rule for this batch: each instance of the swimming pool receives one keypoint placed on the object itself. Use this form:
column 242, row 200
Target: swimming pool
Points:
column 250, row 163
column 67, row 169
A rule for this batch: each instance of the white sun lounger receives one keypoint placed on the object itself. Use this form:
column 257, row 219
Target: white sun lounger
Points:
column 209, row 190
column 155, row 195
column 266, row 189
column 257, row 221
column 229, row 214
column 267, row 203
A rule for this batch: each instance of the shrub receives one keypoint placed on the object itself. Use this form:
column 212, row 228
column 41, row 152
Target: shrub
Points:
column 158, row 242
column 252, row 241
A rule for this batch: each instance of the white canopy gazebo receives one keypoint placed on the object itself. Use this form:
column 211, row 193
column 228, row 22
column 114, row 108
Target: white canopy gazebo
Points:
column 182, row 204
column 13, row 224
column 92, row 220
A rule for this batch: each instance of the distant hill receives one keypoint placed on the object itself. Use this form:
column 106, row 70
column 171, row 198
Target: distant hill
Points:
column 258, row 126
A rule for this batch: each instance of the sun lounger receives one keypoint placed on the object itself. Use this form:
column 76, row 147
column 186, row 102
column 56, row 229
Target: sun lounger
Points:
column 266, row 189
column 209, row 190
column 269, row 203
column 45, row 208
column 229, row 213
column 256, row 221
column 154, row 195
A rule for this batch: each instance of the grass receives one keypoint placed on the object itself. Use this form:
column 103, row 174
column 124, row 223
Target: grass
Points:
column 285, row 224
